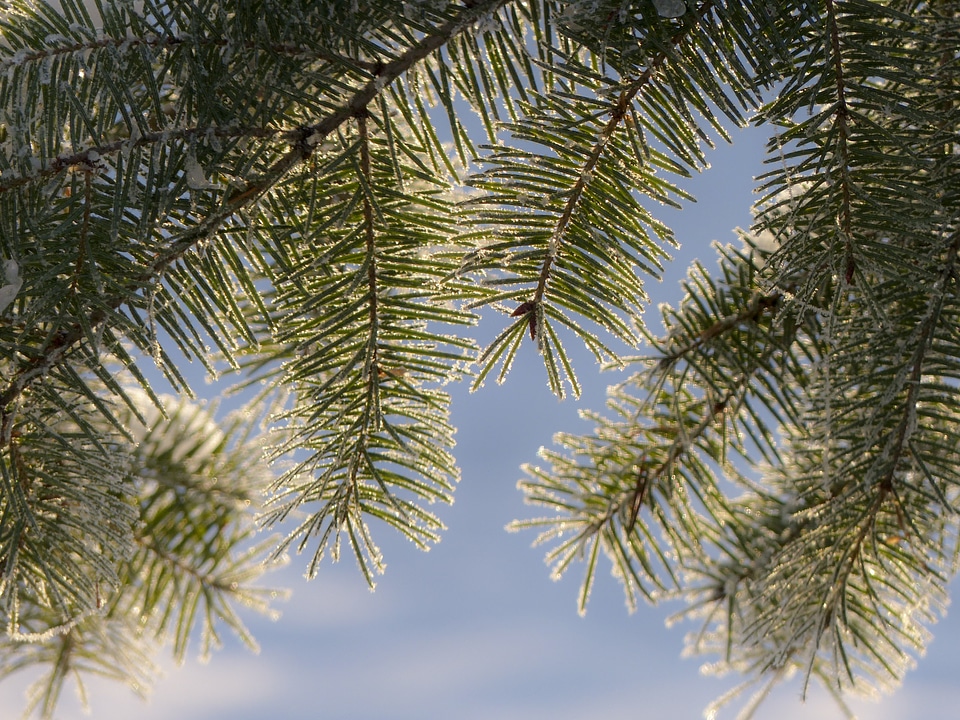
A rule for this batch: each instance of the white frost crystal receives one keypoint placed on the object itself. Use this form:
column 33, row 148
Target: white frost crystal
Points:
column 196, row 180
column 670, row 8
column 11, row 274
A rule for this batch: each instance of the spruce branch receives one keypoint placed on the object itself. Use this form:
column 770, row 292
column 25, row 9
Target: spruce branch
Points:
column 786, row 461
column 583, row 161
column 92, row 157
column 685, row 438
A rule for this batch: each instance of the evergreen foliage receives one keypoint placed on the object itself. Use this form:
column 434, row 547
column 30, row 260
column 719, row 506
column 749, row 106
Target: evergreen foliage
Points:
column 318, row 197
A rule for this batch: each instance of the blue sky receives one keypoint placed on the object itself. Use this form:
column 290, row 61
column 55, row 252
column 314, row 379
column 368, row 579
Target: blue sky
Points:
column 475, row 628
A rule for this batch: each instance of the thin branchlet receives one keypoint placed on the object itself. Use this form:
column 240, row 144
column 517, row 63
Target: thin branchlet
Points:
column 842, row 119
